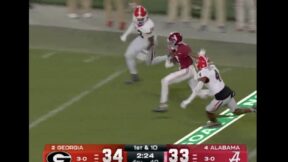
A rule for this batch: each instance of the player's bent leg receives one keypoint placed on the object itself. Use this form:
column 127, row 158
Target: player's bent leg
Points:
column 213, row 106
column 212, row 120
column 204, row 93
column 130, row 56
column 238, row 111
column 141, row 57
column 131, row 64
column 172, row 78
column 164, row 94
column 192, row 83
column 181, row 75
column 164, row 89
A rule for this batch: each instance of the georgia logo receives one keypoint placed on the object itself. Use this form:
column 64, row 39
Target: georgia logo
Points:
column 59, row 157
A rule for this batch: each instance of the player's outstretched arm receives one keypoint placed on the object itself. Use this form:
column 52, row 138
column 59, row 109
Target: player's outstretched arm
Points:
column 127, row 32
column 168, row 62
column 198, row 87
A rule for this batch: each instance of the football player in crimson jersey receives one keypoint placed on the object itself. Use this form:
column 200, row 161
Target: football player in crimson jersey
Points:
column 143, row 44
column 209, row 76
column 180, row 53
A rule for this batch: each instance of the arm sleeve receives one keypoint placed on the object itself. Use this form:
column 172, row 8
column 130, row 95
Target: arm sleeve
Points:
column 198, row 87
column 129, row 30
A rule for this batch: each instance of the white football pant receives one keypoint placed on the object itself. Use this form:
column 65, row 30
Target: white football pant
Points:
column 175, row 77
column 136, row 50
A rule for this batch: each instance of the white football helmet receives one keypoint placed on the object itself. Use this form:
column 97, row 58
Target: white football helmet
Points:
column 140, row 15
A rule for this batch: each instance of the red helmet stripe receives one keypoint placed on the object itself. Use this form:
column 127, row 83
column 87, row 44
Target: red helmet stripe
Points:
column 140, row 11
column 202, row 62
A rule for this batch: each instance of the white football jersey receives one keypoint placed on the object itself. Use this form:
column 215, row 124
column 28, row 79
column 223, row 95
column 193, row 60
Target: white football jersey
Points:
column 215, row 84
column 146, row 30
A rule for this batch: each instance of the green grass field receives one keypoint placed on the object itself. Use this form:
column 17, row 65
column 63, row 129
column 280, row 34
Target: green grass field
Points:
column 72, row 69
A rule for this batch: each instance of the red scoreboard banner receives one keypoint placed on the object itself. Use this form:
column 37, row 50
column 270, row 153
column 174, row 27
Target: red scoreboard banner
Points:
column 145, row 153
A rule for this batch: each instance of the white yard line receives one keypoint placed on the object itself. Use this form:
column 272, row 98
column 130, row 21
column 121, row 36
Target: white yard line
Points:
column 74, row 99
column 73, row 51
column 90, row 59
column 47, row 55
column 225, row 70
column 214, row 133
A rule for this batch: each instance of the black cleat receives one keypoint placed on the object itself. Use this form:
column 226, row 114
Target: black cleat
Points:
column 134, row 79
column 212, row 124
column 130, row 81
column 254, row 109
column 161, row 108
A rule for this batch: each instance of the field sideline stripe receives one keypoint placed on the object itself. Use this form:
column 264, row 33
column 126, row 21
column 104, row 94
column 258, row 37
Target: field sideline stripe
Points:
column 91, row 59
column 251, row 94
column 74, row 99
column 74, row 51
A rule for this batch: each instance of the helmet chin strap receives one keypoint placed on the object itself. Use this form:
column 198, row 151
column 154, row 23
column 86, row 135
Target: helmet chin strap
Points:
column 141, row 23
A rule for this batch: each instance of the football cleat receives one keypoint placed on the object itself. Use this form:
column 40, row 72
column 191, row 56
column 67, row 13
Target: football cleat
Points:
column 212, row 124
column 134, row 79
column 161, row 108
column 184, row 104
column 254, row 109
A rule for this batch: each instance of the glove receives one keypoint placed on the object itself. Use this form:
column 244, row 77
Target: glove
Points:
column 123, row 38
column 168, row 64
column 184, row 104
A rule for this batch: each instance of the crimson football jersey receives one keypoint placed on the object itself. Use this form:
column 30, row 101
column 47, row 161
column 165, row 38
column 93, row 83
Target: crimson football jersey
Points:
column 182, row 55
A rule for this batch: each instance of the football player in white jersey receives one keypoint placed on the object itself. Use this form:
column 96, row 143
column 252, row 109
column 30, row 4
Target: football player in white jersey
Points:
column 209, row 76
column 143, row 45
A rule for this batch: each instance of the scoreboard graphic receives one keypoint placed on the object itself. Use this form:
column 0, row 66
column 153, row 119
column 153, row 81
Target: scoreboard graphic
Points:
column 145, row 153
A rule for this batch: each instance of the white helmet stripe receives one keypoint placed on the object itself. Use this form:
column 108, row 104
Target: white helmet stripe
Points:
column 139, row 11
column 175, row 37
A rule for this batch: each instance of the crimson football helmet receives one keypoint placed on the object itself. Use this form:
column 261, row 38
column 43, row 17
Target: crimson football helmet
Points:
column 173, row 40
column 140, row 15
column 202, row 62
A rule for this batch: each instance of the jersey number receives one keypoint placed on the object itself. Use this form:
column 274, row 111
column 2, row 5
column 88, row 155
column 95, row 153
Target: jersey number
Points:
column 217, row 75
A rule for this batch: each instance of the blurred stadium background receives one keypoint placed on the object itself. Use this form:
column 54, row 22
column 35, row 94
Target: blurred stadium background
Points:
column 155, row 6
column 77, row 67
